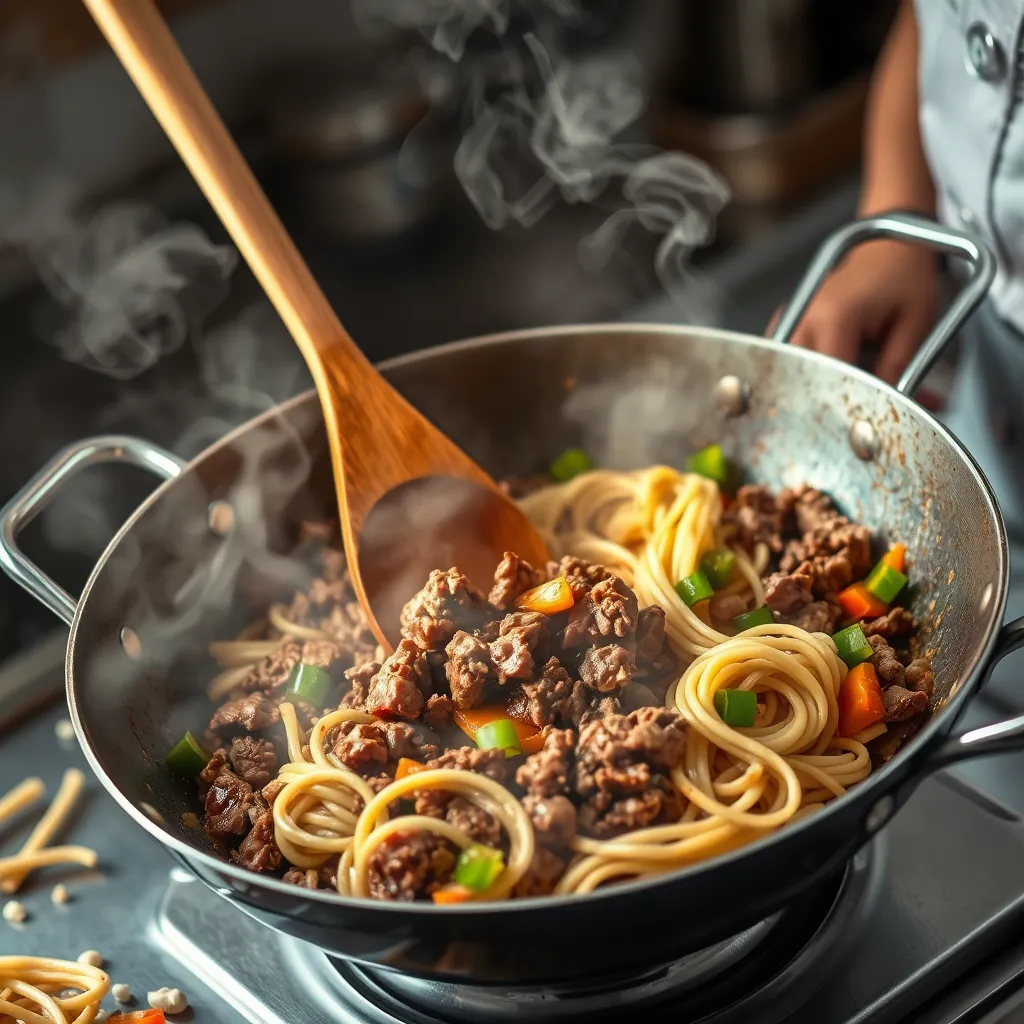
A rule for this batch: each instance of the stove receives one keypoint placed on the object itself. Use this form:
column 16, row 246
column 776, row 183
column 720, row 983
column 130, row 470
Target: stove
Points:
column 925, row 925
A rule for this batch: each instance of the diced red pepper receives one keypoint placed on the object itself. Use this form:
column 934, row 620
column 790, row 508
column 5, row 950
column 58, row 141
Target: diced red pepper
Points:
column 859, row 603
column 449, row 894
column 407, row 766
column 531, row 739
column 896, row 557
column 548, row 599
column 860, row 700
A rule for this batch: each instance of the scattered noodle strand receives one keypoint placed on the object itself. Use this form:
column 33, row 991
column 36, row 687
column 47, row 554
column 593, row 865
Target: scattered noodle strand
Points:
column 47, row 827
column 45, row 990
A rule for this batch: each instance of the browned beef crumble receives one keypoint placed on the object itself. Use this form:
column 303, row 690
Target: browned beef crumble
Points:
column 258, row 850
column 822, row 552
column 593, row 678
column 513, row 577
column 410, row 865
column 396, row 691
column 226, row 805
column 253, row 760
column 245, row 714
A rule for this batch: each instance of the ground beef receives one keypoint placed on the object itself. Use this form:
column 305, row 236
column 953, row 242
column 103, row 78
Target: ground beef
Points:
column 901, row 703
column 227, row 806
column 321, row 653
column 447, row 603
column 606, row 669
column 616, row 754
column 435, row 802
column 520, row 636
column 817, row 617
column 605, row 817
column 757, row 518
column 554, row 820
column 547, row 773
column 438, row 712
column 919, row 677
column 258, row 850
column 650, row 635
column 811, row 508
column 413, row 741
column 409, row 865
column 580, row 574
column 542, row 875
column 608, row 611
column 786, row 592
column 360, row 746
column 477, row 823
column 888, row 667
column 468, row 669
column 725, row 607
column 895, row 622
column 246, row 714
column 491, row 763
column 601, row 708
column 303, row 879
column 253, row 760
column 359, row 678
column 514, row 576
column 212, row 768
column 273, row 671
column 549, row 696
column 397, row 689
column 272, row 790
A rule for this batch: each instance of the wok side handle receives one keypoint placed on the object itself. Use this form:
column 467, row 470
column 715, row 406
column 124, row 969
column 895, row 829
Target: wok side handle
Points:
column 43, row 488
column 997, row 738
column 903, row 227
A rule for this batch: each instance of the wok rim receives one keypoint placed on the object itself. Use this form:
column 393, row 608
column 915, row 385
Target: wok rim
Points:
column 938, row 726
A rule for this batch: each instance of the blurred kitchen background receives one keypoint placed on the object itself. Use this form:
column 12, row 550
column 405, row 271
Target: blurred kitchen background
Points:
column 448, row 167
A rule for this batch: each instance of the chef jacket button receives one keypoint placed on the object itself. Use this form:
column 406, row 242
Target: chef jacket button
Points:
column 985, row 53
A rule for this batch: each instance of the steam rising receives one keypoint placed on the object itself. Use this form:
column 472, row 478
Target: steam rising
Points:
column 131, row 287
column 544, row 128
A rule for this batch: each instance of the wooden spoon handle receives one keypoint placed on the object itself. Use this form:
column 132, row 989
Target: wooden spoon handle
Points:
column 142, row 41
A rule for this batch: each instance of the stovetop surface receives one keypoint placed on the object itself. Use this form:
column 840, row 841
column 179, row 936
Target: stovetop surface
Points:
column 934, row 931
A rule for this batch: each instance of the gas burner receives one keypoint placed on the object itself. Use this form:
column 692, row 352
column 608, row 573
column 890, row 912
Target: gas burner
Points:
column 765, row 971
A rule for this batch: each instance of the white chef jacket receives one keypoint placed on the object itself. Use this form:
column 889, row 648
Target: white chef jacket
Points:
column 971, row 78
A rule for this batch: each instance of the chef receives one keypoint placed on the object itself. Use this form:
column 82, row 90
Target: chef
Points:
column 944, row 136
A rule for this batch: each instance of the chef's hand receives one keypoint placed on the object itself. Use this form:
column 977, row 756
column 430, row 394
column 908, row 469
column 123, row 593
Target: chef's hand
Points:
column 885, row 293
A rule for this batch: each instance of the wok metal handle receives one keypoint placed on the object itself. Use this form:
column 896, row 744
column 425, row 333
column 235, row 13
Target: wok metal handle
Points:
column 999, row 737
column 904, row 227
column 42, row 489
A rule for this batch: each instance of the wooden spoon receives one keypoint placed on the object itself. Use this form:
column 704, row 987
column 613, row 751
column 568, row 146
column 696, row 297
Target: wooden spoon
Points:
column 409, row 499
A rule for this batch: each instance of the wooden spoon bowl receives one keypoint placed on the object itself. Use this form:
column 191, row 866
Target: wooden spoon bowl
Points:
column 409, row 499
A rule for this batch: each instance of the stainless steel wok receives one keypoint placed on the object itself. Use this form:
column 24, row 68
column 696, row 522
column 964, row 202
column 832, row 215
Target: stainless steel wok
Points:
column 210, row 547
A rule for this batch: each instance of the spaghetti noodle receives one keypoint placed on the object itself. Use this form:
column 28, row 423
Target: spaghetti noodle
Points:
column 658, row 789
column 45, row 990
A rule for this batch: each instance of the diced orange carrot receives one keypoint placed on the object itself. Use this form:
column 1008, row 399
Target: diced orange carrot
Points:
column 531, row 739
column 407, row 766
column 860, row 700
column 449, row 894
column 702, row 609
column 859, row 603
column 549, row 598
column 153, row 1016
column 896, row 557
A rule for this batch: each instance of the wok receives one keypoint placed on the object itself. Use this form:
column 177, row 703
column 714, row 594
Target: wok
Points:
column 211, row 546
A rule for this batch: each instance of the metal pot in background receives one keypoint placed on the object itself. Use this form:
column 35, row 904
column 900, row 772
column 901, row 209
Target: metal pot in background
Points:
column 363, row 149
